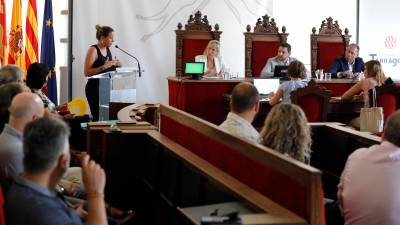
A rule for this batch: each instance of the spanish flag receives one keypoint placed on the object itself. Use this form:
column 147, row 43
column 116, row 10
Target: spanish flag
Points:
column 3, row 33
column 16, row 48
column 31, row 28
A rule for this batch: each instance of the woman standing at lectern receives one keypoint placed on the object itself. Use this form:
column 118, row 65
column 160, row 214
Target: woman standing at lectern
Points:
column 98, row 60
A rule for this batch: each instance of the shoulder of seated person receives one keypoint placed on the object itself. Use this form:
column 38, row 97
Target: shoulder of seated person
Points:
column 359, row 59
column 200, row 56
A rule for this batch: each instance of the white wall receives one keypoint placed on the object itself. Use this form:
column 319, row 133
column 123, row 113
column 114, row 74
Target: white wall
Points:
column 152, row 39
column 380, row 34
column 300, row 16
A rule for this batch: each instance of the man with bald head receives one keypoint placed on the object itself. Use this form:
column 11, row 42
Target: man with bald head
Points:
column 349, row 65
column 244, row 108
column 25, row 107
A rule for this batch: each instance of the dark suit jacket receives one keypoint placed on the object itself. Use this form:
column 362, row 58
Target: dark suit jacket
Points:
column 340, row 65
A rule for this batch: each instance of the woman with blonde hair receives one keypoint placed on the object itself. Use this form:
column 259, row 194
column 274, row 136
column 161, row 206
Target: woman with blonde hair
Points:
column 213, row 63
column 374, row 76
column 286, row 131
column 98, row 60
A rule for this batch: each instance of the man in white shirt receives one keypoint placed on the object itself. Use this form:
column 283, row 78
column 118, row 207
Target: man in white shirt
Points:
column 282, row 59
column 244, row 107
column 368, row 192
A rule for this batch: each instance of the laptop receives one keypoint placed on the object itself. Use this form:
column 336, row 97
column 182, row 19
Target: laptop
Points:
column 281, row 71
column 196, row 69
column 266, row 86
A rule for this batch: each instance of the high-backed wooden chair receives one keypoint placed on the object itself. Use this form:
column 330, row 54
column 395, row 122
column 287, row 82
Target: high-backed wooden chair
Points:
column 193, row 39
column 328, row 44
column 314, row 100
column 388, row 97
column 261, row 44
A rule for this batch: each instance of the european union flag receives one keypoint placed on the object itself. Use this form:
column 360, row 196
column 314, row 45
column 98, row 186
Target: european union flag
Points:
column 47, row 53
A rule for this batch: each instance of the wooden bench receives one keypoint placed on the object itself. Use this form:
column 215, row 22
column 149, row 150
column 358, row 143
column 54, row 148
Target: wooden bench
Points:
column 332, row 145
column 190, row 162
column 289, row 183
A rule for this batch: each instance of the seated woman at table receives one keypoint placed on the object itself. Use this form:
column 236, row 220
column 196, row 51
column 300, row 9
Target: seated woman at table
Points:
column 213, row 63
column 286, row 131
column 296, row 72
column 374, row 76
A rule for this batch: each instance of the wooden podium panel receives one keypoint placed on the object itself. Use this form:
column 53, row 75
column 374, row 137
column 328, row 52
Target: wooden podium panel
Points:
column 202, row 98
column 205, row 98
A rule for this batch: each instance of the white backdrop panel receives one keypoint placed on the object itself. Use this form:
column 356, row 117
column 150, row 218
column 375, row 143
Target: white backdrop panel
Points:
column 380, row 33
column 146, row 29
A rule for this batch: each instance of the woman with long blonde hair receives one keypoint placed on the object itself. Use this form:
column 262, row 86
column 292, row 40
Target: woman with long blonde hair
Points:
column 286, row 131
column 374, row 76
column 213, row 63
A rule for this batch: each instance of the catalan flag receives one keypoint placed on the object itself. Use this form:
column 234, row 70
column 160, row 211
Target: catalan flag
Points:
column 16, row 48
column 31, row 32
column 47, row 52
column 3, row 33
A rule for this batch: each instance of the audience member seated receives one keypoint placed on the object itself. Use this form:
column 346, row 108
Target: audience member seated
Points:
column 349, row 65
column 282, row 59
column 286, row 130
column 33, row 198
column 7, row 93
column 11, row 73
column 378, row 165
column 296, row 72
column 36, row 79
column 213, row 63
column 244, row 107
column 24, row 108
column 374, row 76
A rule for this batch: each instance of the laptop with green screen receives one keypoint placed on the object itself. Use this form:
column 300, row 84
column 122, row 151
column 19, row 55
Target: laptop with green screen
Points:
column 196, row 69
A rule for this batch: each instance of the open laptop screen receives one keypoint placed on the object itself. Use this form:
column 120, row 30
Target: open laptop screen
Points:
column 265, row 86
column 280, row 71
column 194, row 68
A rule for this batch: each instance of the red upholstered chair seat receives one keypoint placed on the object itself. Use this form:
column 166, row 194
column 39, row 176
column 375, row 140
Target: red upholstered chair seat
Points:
column 260, row 177
column 389, row 104
column 327, row 52
column 314, row 100
column 388, row 97
column 312, row 107
column 192, row 48
column 262, row 51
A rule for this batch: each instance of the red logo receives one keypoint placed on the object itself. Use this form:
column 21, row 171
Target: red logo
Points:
column 390, row 42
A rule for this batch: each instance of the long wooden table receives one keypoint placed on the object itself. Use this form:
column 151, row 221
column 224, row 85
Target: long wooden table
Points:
column 204, row 98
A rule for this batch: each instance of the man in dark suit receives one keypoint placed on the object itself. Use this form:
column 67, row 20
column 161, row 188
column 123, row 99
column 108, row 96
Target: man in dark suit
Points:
column 349, row 65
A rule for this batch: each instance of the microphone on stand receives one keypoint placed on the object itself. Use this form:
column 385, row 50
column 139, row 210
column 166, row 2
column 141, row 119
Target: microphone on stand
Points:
column 140, row 71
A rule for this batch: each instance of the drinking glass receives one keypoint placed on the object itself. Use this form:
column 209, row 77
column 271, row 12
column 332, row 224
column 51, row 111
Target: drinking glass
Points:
column 328, row 76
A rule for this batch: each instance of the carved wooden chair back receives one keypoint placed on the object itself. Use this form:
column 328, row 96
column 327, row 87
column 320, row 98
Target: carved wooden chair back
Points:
column 192, row 40
column 261, row 44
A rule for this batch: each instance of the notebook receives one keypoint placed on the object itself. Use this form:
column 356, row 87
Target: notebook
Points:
column 265, row 86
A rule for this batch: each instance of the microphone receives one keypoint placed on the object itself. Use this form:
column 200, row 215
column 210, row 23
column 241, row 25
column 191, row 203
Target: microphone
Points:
column 140, row 71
